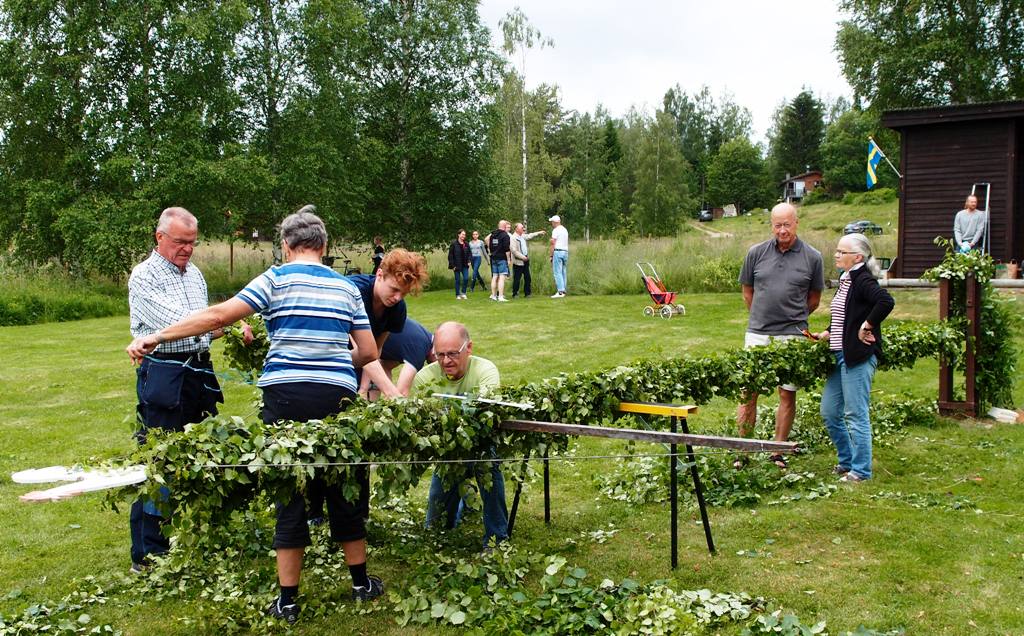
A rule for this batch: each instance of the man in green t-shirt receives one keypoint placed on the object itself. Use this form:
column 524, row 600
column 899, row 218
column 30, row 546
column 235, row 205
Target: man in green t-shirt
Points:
column 459, row 372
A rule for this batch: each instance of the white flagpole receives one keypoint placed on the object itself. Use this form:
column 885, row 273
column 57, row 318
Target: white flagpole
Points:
column 872, row 139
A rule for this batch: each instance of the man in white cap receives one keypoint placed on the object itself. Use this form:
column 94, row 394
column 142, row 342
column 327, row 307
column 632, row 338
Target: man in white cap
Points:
column 559, row 254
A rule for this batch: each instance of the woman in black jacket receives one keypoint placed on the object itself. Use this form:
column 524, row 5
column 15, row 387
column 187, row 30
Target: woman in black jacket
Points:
column 855, row 339
column 459, row 259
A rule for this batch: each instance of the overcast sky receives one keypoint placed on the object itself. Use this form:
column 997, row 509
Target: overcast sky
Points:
column 623, row 53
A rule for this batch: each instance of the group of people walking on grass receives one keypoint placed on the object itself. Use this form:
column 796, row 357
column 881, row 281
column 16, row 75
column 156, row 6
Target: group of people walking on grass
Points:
column 782, row 280
column 507, row 252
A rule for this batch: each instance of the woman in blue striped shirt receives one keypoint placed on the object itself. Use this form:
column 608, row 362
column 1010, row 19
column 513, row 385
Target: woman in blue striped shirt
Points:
column 312, row 314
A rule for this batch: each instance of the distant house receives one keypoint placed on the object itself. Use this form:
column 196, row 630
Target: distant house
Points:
column 794, row 188
column 945, row 151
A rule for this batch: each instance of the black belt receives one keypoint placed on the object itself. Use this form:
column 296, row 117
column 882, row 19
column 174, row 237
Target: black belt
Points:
column 196, row 356
column 561, row 250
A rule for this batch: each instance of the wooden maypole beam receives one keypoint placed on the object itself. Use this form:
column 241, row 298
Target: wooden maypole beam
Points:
column 657, row 437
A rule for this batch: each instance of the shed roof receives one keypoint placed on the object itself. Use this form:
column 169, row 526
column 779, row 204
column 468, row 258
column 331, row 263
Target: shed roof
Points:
column 905, row 117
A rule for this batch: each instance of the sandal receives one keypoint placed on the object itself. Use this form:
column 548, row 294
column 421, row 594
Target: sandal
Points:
column 779, row 461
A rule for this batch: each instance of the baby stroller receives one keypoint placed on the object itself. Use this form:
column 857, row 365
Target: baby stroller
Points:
column 664, row 301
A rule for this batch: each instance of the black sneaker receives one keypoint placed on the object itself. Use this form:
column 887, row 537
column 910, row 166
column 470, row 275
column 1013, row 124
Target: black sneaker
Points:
column 375, row 589
column 138, row 568
column 289, row 613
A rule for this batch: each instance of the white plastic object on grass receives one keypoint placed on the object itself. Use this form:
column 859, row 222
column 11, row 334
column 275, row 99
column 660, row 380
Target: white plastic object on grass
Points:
column 47, row 475
column 81, row 480
column 1003, row 415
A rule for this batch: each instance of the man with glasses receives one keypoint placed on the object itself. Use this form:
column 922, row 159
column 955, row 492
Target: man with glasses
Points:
column 782, row 279
column 458, row 371
column 175, row 383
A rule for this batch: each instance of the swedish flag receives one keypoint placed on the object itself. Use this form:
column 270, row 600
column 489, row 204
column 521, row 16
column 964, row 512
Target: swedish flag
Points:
column 874, row 156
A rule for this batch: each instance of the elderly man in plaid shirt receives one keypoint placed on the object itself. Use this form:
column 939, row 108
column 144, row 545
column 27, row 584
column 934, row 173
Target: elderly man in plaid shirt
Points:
column 175, row 384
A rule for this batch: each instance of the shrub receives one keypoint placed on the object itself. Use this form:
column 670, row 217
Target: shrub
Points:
column 871, row 197
column 714, row 275
column 815, row 197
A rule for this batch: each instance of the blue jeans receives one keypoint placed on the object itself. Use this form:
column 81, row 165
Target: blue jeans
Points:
column 450, row 504
column 461, row 280
column 559, row 261
column 476, row 274
column 844, row 407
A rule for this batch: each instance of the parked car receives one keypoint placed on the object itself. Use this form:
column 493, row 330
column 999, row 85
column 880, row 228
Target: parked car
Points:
column 705, row 215
column 862, row 227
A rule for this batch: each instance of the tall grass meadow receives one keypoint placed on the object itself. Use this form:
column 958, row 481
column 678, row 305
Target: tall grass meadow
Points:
column 701, row 258
column 603, row 267
column 46, row 294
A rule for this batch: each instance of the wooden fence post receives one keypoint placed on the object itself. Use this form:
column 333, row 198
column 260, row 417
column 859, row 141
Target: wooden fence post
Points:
column 947, row 405
column 945, row 369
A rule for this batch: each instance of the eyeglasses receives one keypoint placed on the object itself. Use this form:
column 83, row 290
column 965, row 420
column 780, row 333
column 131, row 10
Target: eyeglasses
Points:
column 180, row 242
column 838, row 252
column 451, row 355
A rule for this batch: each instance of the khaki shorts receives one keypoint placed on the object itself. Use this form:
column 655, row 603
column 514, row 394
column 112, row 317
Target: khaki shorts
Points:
column 759, row 340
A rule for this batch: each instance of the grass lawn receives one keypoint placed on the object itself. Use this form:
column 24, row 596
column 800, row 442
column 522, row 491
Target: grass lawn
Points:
column 887, row 561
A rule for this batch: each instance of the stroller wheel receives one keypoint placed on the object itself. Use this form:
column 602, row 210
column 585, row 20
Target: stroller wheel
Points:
column 648, row 310
column 666, row 312
column 680, row 310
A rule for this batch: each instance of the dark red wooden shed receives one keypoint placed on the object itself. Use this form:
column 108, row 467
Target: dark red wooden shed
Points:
column 944, row 151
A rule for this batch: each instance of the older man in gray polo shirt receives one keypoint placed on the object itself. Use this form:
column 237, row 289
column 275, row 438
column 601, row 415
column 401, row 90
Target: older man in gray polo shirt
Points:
column 782, row 279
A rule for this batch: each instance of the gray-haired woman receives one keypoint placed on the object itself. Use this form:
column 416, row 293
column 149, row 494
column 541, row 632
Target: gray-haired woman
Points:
column 855, row 339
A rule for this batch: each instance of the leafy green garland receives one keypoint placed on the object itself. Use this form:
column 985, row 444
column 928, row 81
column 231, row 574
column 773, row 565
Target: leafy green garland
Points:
column 219, row 465
column 996, row 353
